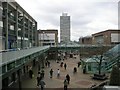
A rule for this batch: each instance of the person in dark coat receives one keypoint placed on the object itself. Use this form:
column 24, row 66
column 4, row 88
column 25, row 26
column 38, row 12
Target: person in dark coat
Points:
column 68, row 78
column 42, row 84
column 75, row 70
column 65, row 84
column 38, row 80
column 79, row 63
column 42, row 73
column 51, row 73
column 30, row 73
column 61, row 64
column 65, row 66
column 48, row 64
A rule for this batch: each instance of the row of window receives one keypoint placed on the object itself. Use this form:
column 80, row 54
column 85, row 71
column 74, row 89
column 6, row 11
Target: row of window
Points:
column 17, row 63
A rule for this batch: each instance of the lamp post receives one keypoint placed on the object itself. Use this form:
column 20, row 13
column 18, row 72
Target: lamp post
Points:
column 43, row 38
column 48, row 39
column 66, row 44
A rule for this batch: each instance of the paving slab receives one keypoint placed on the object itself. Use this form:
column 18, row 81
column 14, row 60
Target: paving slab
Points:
column 78, row 80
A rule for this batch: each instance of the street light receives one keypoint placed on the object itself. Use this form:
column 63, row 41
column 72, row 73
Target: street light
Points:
column 43, row 38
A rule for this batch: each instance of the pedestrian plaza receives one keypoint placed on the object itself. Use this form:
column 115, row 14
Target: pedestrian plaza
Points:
column 77, row 80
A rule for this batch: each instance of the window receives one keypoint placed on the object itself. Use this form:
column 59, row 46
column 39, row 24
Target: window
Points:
column 10, row 66
column 18, row 62
column 3, row 69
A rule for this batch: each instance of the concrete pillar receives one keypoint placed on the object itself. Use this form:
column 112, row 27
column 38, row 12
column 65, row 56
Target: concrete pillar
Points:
column 43, row 60
column 23, row 32
column 32, row 35
column 5, row 23
column 40, row 63
column 19, row 79
column 36, row 35
column 16, row 27
column 28, row 33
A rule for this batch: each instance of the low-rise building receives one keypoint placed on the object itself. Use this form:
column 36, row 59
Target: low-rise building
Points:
column 48, row 37
column 107, row 37
column 85, row 40
column 19, row 29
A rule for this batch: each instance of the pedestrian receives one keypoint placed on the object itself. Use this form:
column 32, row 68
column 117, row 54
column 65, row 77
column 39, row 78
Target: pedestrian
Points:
column 75, row 70
column 38, row 80
column 39, row 73
column 79, row 63
column 51, row 73
column 58, row 73
column 65, row 66
column 42, row 84
column 68, row 78
column 48, row 64
column 65, row 84
column 30, row 73
column 84, row 69
column 61, row 64
column 42, row 73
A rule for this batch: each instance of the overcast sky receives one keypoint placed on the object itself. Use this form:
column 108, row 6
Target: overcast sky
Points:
column 87, row 16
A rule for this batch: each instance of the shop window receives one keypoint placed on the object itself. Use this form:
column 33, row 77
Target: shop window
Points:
column 10, row 66
column 3, row 69
column 18, row 62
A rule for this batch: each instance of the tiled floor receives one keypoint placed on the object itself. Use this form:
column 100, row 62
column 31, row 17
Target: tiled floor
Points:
column 78, row 80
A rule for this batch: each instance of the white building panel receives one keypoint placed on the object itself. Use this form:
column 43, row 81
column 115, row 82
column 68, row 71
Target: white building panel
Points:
column 115, row 37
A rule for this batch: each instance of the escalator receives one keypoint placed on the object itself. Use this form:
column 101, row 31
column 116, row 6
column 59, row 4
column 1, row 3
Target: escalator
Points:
column 113, row 58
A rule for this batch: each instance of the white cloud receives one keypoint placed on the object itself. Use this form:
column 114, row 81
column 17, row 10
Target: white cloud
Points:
column 87, row 16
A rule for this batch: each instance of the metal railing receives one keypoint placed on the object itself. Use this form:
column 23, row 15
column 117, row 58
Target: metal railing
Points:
column 15, row 55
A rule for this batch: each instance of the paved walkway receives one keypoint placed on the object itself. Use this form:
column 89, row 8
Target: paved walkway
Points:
column 78, row 80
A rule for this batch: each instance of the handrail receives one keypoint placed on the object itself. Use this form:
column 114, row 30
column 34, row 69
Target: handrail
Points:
column 112, row 62
column 14, row 55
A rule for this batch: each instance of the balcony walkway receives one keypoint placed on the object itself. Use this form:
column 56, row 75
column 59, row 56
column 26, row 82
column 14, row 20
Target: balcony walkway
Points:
column 78, row 80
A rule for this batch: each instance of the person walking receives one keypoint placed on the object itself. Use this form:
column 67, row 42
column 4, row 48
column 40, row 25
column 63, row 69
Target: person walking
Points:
column 68, row 78
column 42, row 84
column 42, row 73
column 58, row 73
column 61, row 64
column 84, row 69
column 38, row 80
column 48, row 64
column 51, row 73
column 79, row 63
column 65, row 66
column 30, row 73
column 74, row 70
column 65, row 84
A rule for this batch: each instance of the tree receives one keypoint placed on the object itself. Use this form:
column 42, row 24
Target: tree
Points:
column 96, row 52
column 99, row 57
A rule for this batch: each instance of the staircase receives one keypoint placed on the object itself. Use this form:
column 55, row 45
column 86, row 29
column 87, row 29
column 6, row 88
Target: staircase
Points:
column 113, row 57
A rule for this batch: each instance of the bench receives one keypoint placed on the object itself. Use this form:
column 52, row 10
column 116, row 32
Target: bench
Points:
column 99, row 76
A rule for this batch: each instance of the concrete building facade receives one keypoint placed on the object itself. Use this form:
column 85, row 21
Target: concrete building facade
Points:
column 1, row 25
column 85, row 40
column 48, row 37
column 19, row 29
column 106, row 37
column 64, row 28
